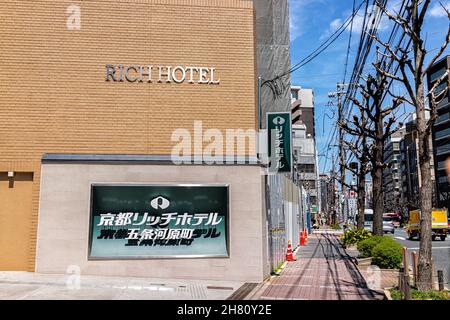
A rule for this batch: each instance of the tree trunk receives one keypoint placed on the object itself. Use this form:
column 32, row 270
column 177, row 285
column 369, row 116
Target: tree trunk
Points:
column 361, row 197
column 378, row 201
column 426, row 195
column 377, row 166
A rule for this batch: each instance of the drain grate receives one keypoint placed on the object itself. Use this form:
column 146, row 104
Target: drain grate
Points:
column 243, row 291
column 219, row 288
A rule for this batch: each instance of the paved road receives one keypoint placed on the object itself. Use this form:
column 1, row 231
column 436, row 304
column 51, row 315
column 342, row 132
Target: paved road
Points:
column 441, row 251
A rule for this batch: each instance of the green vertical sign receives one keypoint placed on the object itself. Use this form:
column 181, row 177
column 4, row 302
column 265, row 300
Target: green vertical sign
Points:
column 279, row 141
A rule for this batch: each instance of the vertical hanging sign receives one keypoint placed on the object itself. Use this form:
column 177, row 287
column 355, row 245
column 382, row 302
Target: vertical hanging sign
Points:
column 279, row 141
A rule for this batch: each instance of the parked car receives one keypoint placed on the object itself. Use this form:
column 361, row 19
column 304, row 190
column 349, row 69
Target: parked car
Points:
column 396, row 217
column 388, row 225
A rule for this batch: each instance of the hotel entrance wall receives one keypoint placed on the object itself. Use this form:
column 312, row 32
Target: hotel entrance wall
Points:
column 64, row 221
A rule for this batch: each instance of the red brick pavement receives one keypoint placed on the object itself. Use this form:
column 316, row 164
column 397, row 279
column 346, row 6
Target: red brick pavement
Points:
column 323, row 271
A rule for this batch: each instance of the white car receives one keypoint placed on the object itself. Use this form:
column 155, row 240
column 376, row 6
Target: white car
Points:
column 388, row 225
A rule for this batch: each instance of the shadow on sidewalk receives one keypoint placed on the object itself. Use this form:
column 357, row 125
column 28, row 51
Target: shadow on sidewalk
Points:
column 333, row 251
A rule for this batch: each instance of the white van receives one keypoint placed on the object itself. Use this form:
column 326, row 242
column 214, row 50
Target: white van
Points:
column 368, row 219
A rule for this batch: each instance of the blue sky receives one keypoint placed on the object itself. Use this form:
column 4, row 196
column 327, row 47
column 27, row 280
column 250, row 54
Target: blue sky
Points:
column 312, row 21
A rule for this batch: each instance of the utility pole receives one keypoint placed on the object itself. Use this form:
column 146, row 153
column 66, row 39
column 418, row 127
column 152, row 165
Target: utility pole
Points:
column 333, row 195
column 342, row 156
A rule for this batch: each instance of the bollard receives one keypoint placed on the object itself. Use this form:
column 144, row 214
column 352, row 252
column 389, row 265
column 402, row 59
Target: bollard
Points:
column 414, row 263
column 440, row 275
column 405, row 261
column 400, row 279
column 406, row 287
column 433, row 273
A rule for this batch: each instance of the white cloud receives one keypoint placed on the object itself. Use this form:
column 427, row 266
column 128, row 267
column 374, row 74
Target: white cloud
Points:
column 294, row 19
column 438, row 12
column 358, row 22
column 298, row 18
column 335, row 24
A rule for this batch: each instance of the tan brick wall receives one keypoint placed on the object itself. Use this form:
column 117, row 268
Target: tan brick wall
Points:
column 54, row 97
column 53, row 93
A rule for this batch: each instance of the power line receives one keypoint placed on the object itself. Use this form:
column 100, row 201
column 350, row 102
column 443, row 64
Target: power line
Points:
column 272, row 83
column 349, row 45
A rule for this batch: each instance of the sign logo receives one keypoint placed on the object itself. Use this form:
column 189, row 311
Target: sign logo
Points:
column 160, row 203
column 279, row 120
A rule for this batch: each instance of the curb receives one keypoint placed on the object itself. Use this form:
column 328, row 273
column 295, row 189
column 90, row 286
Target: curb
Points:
column 387, row 294
column 267, row 281
column 381, row 291
column 259, row 288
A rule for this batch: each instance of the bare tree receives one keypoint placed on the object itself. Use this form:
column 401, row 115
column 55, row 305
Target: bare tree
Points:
column 413, row 70
column 375, row 123
column 360, row 149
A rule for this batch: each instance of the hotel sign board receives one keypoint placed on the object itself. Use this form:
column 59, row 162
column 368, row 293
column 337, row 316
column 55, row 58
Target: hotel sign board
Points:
column 158, row 221
column 279, row 140
column 162, row 74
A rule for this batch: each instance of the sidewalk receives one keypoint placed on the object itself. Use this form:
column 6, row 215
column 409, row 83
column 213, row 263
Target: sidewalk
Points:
column 34, row 286
column 323, row 271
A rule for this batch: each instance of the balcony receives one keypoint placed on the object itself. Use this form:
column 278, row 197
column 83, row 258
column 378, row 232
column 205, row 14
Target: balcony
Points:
column 443, row 134
column 443, row 118
column 308, row 176
column 445, row 149
column 443, row 104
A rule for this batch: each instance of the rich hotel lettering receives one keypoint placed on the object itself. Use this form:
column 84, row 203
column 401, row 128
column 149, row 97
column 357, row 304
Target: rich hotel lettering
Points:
column 161, row 74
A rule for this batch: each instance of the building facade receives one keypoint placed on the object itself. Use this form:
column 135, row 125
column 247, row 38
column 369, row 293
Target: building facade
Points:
column 304, row 135
column 326, row 194
column 369, row 194
column 302, row 109
column 409, row 168
column 93, row 112
column 392, row 180
column 305, row 161
column 441, row 132
column 285, row 199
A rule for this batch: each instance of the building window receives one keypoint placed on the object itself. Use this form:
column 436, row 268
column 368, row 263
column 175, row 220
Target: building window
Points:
column 437, row 74
column 443, row 133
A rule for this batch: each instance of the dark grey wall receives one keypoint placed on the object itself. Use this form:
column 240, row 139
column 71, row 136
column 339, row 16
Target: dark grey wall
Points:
column 273, row 51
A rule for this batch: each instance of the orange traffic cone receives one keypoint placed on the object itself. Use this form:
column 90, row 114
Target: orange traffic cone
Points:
column 302, row 238
column 289, row 255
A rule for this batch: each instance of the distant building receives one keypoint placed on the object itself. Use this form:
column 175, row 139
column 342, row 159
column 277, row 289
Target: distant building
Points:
column 409, row 167
column 441, row 133
column 326, row 194
column 304, row 143
column 352, row 202
column 369, row 195
column 302, row 108
column 392, row 183
column 305, row 160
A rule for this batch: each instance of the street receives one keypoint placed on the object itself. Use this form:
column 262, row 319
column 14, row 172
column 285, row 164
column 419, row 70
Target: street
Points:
column 441, row 251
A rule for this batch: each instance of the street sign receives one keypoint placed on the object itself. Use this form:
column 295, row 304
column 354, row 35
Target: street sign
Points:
column 279, row 141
